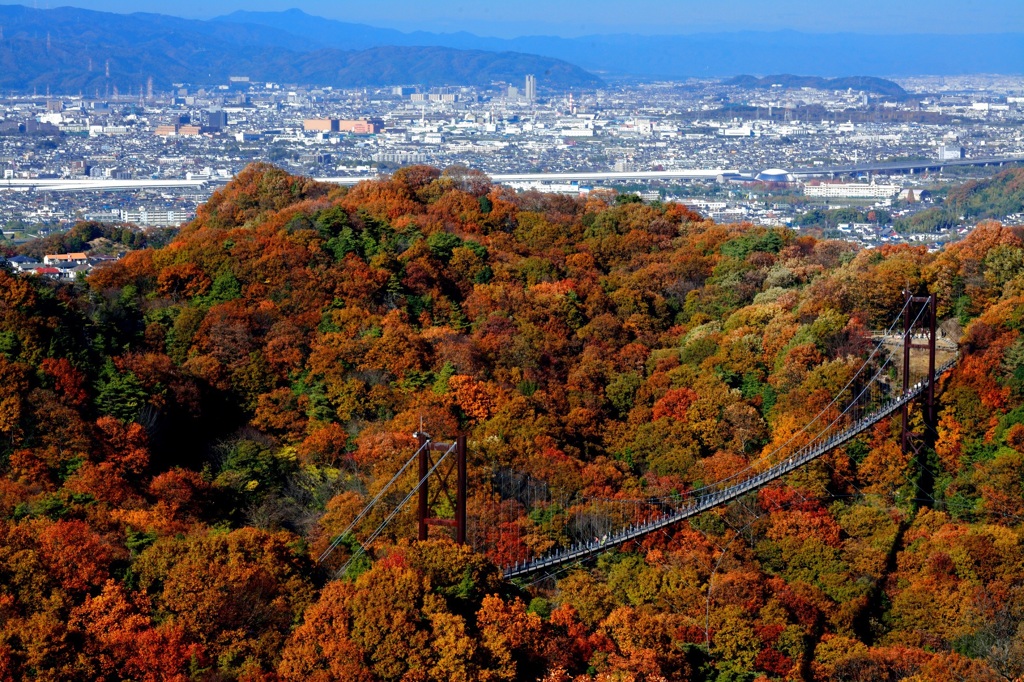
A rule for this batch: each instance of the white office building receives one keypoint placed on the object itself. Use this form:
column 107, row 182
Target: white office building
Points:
column 851, row 190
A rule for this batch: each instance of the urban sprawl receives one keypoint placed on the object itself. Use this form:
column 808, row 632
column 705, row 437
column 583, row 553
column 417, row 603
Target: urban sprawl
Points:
column 763, row 155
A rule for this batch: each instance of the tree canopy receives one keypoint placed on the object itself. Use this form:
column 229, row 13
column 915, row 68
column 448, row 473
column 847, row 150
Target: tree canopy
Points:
column 183, row 434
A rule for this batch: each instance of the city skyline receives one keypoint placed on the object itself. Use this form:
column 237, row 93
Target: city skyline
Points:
column 575, row 18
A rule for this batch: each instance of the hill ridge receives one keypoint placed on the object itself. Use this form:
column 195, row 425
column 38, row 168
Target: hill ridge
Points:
column 871, row 84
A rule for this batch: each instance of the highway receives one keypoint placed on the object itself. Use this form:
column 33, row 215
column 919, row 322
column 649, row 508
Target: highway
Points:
column 714, row 173
column 580, row 176
column 92, row 184
column 907, row 166
column 583, row 176
column 105, row 185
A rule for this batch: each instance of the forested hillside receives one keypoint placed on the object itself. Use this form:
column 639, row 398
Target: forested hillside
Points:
column 1002, row 194
column 184, row 433
column 994, row 197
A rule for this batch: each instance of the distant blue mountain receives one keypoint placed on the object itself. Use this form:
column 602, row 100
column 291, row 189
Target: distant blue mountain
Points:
column 697, row 55
column 70, row 50
column 878, row 86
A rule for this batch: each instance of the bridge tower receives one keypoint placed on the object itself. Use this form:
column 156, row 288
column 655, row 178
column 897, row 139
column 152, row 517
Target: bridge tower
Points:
column 427, row 470
column 921, row 308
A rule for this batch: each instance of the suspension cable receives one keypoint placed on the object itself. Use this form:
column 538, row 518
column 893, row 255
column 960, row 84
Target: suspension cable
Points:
column 804, row 429
column 366, row 510
column 839, row 394
column 826, row 428
column 380, row 529
column 818, row 440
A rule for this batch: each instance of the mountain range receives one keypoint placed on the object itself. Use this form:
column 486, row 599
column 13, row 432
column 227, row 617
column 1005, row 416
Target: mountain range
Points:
column 70, row 50
column 700, row 55
column 73, row 50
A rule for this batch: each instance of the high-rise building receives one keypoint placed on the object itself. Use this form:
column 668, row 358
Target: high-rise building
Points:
column 531, row 87
column 215, row 120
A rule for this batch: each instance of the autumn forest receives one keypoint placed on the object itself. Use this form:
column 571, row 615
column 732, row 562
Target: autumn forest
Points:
column 184, row 432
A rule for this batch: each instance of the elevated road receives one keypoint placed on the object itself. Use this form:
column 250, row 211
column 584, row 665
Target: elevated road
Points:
column 904, row 166
column 714, row 173
column 93, row 185
column 105, row 185
column 583, row 176
column 576, row 176
column 349, row 181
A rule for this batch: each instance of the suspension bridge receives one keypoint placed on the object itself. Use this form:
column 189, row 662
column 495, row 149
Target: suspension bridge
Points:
column 889, row 380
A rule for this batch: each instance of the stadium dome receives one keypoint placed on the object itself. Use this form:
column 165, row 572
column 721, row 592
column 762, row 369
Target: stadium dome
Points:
column 775, row 175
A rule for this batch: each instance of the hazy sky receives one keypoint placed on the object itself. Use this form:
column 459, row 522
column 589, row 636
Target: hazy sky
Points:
column 578, row 17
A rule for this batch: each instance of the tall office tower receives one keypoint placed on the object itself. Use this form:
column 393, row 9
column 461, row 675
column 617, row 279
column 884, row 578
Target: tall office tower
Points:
column 531, row 87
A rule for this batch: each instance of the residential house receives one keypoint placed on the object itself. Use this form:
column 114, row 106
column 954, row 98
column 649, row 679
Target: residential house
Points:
column 72, row 258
